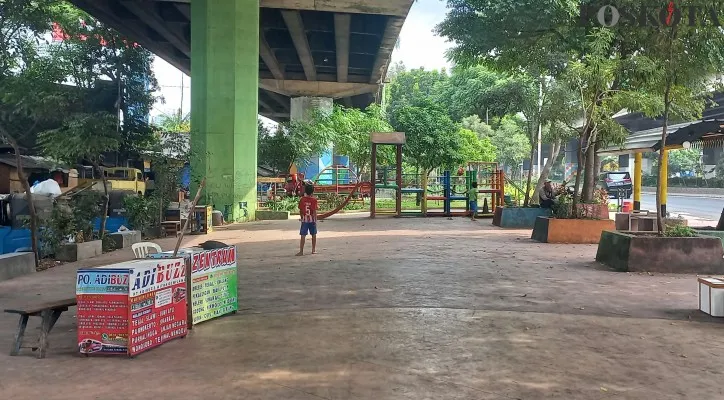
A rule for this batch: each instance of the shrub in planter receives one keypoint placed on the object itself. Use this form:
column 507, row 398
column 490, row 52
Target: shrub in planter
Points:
column 584, row 226
column 677, row 251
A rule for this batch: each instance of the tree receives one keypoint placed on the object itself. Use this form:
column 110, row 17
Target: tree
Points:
column 97, row 56
column 30, row 95
column 475, row 124
column 474, row 148
column 684, row 60
column 412, row 87
column 351, row 129
column 511, row 142
column 275, row 150
column 84, row 137
column 684, row 160
column 432, row 138
column 481, row 91
column 176, row 122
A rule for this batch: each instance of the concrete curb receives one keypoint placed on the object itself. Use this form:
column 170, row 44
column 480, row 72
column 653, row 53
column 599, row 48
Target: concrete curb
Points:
column 697, row 195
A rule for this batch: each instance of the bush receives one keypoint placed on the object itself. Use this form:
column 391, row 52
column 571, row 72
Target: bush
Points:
column 679, row 231
column 86, row 206
column 141, row 212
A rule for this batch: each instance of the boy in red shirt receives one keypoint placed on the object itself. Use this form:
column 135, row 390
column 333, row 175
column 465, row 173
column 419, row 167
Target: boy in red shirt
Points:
column 308, row 216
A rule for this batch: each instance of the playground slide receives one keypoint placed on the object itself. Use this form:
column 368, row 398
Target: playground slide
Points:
column 360, row 186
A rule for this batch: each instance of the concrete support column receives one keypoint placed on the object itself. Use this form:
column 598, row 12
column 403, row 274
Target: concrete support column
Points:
column 224, row 97
column 303, row 109
column 638, row 176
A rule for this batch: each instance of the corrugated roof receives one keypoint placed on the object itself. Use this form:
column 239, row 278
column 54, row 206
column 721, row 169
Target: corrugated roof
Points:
column 643, row 141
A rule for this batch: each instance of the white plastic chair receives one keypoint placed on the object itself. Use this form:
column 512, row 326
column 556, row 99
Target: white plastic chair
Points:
column 140, row 250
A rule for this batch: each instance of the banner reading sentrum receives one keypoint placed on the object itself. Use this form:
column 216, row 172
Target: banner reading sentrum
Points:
column 213, row 283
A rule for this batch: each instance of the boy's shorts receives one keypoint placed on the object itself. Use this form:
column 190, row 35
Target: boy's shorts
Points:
column 474, row 207
column 308, row 228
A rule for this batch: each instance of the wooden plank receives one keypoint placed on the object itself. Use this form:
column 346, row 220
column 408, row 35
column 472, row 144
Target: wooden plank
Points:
column 388, row 138
column 36, row 309
column 44, row 331
column 19, row 334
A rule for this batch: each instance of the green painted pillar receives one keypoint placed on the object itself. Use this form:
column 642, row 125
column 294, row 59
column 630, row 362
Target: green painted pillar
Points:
column 224, row 103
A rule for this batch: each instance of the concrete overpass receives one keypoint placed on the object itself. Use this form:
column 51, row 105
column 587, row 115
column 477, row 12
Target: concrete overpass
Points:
column 259, row 56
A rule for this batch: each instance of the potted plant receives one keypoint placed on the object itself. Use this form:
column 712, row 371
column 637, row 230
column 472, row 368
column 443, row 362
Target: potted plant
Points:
column 679, row 249
column 581, row 225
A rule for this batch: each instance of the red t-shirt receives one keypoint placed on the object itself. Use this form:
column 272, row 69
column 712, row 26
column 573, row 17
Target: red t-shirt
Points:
column 308, row 208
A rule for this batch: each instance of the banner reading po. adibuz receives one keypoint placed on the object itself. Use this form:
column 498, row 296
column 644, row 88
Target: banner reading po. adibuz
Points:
column 102, row 317
column 213, row 284
column 157, row 300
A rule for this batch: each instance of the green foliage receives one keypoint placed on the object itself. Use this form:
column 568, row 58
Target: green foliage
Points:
column 684, row 160
column 511, row 142
column 475, row 124
column 176, row 123
column 679, row 230
column 352, row 128
column 56, row 229
column 432, row 139
column 141, row 212
column 95, row 55
column 290, row 204
column 412, row 88
column 474, row 148
column 81, row 137
column 275, row 150
column 86, row 206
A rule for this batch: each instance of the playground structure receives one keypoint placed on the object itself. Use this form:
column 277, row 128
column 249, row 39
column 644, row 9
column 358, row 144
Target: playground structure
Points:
column 442, row 195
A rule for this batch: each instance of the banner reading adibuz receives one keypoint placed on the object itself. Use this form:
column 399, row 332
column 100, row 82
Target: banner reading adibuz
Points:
column 157, row 300
column 213, row 284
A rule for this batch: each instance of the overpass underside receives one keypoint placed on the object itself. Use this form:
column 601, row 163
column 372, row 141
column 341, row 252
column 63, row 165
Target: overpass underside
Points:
column 253, row 56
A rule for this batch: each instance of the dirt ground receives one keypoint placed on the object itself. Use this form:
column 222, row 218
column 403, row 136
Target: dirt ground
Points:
column 398, row 309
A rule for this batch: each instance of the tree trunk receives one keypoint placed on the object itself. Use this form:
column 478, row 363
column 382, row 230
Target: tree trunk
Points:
column 597, row 164
column 555, row 150
column 589, row 180
column 106, row 202
column 533, row 144
column 579, row 168
column 31, row 205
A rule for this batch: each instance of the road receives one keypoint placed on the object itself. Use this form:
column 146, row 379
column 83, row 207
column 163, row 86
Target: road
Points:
column 698, row 207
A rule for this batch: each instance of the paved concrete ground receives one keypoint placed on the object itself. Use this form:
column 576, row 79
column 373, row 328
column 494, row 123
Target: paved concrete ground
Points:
column 400, row 309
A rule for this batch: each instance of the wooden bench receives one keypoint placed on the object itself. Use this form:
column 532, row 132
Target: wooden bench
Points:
column 49, row 314
column 171, row 227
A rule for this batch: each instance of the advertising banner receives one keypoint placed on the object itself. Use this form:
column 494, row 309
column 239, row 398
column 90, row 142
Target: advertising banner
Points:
column 157, row 300
column 102, row 296
column 213, row 284
column 131, row 307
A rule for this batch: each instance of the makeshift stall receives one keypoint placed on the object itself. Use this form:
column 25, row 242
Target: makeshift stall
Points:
column 131, row 307
column 212, row 283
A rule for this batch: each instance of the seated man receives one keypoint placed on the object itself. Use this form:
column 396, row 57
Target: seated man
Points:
column 546, row 197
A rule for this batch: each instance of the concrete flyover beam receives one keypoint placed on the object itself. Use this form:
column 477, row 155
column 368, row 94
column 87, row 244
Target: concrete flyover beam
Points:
column 294, row 22
column 392, row 32
column 149, row 17
column 334, row 90
column 269, row 58
column 341, row 37
column 398, row 8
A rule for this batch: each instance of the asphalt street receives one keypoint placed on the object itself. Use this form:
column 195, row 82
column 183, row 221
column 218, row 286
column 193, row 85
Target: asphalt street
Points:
column 699, row 207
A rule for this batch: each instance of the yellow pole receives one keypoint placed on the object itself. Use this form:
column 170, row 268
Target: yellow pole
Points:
column 638, row 175
column 664, row 181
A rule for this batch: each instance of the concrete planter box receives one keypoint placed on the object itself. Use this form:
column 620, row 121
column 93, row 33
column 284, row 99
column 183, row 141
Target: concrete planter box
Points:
column 268, row 215
column 574, row 231
column 716, row 234
column 639, row 252
column 518, row 217
column 13, row 265
column 123, row 240
column 79, row 251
